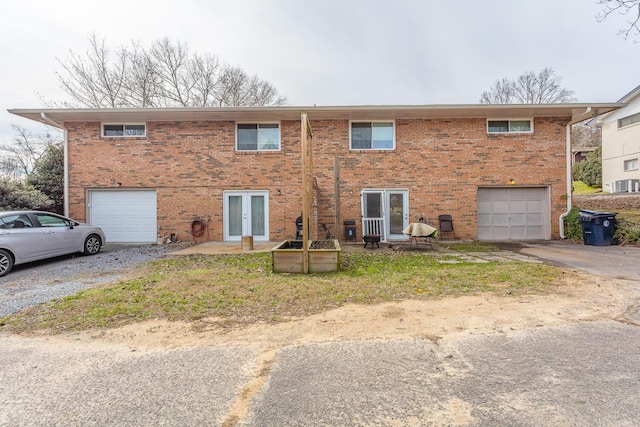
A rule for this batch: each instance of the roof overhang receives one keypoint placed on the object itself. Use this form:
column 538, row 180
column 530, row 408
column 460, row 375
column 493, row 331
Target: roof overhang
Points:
column 58, row 117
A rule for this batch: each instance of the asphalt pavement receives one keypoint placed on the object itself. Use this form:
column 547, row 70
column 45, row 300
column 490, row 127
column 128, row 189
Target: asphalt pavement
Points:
column 622, row 262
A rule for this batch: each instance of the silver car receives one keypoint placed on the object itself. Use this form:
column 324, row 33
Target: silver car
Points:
column 27, row 236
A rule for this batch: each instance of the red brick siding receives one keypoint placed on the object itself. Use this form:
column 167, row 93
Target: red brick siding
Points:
column 441, row 162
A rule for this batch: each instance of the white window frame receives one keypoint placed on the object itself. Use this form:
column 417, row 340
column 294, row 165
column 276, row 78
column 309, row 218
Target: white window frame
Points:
column 258, row 123
column 393, row 130
column 509, row 132
column 631, row 165
column 124, row 129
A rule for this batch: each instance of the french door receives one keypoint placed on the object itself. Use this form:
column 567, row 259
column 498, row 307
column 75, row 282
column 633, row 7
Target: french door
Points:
column 385, row 212
column 246, row 213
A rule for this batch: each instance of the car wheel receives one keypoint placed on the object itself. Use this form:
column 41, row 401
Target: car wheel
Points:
column 92, row 245
column 6, row 262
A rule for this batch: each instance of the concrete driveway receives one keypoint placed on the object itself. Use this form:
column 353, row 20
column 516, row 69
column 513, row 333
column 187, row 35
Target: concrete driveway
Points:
column 621, row 262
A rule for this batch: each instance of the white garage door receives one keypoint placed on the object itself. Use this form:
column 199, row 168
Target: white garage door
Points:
column 513, row 214
column 125, row 216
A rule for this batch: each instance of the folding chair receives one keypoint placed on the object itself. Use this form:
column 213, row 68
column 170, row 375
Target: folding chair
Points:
column 446, row 225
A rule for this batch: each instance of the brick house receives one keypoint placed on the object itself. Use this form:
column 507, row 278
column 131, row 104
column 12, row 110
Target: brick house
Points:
column 501, row 171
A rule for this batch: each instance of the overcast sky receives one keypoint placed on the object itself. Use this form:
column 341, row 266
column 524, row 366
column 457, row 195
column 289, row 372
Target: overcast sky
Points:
column 332, row 52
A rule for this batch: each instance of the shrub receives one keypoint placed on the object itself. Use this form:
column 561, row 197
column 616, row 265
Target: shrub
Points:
column 572, row 227
column 589, row 170
column 15, row 195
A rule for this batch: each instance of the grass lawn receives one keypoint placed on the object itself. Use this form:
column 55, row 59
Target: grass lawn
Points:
column 241, row 289
column 580, row 188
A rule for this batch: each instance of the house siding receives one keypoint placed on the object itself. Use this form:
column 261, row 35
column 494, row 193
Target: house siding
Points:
column 620, row 144
column 441, row 162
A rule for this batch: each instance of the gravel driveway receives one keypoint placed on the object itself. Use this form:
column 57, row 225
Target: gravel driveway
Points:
column 42, row 281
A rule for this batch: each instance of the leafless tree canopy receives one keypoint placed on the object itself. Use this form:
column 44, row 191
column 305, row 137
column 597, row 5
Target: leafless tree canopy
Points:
column 18, row 158
column 165, row 74
column 530, row 88
column 629, row 8
column 585, row 135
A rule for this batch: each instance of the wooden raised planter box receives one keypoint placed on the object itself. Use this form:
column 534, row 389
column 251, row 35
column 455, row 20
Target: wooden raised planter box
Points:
column 288, row 256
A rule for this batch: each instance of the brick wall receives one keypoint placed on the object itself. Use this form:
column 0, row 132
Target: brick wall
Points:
column 441, row 162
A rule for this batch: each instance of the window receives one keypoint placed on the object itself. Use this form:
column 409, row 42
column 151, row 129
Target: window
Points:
column 120, row 130
column 372, row 136
column 257, row 136
column 631, row 165
column 47, row 220
column 629, row 120
column 15, row 221
column 510, row 126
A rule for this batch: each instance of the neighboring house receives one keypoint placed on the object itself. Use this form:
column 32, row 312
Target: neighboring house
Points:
column 502, row 171
column 578, row 154
column 621, row 146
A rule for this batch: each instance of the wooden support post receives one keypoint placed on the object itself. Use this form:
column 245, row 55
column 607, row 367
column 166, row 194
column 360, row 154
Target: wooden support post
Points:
column 306, row 143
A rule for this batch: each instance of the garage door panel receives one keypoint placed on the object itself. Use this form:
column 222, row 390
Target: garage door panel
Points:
column 500, row 220
column 518, row 213
column 535, row 220
column 517, row 233
column 126, row 216
column 500, row 233
column 501, row 207
column 518, row 206
column 517, row 220
column 484, row 220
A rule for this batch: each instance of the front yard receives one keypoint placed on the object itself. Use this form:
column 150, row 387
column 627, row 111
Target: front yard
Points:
column 241, row 289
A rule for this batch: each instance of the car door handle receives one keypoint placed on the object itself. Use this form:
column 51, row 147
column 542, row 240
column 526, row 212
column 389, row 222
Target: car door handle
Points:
column 4, row 233
column 50, row 232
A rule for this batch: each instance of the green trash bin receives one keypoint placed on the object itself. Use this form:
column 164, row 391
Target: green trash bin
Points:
column 597, row 227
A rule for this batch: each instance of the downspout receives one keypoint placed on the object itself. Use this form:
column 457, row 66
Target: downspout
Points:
column 569, row 177
column 47, row 120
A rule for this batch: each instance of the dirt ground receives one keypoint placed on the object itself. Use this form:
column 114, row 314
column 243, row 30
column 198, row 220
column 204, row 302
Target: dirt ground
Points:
column 586, row 298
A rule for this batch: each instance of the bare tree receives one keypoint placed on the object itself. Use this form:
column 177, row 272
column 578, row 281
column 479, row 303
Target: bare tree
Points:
column 163, row 75
column 629, row 8
column 95, row 80
column 585, row 135
column 17, row 159
column 544, row 87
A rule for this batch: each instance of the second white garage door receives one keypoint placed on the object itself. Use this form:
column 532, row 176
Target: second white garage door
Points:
column 513, row 214
column 125, row 216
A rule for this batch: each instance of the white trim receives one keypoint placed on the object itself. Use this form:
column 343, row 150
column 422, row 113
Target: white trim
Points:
column 124, row 127
column 257, row 123
column 393, row 128
column 509, row 120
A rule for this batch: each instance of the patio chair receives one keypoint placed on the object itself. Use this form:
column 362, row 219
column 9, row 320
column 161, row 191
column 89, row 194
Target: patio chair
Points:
column 327, row 232
column 445, row 224
column 299, row 228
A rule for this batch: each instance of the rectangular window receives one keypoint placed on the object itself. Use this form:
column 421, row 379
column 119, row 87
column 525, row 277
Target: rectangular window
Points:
column 257, row 136
column 121, row 130
column 631, row 165
column 372, row 136
column 510, row 126
column 629, row 120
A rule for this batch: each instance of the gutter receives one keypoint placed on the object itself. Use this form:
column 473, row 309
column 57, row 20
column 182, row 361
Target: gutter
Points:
column 65, row 179
column 569, row 178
